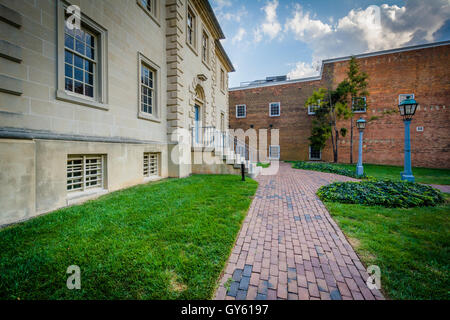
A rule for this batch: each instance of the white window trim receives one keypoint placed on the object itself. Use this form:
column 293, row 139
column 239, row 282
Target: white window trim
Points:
column 158, row 166
column 207, row 59
column 279, row 109
column 314, row 159
column 156, row 116
column 154, row 15
column 245, row 109
column 101, row 75
column 310, row 108
column 270, row 152
column 365, row 108
column 223, row 83
column 405, row 95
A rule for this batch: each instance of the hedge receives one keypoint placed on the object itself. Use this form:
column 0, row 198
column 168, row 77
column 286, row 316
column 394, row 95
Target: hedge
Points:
column 387, row 193
column 326, row 167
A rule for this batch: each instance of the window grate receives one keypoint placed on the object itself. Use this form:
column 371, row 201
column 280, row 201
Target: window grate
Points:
column 85, row 172
column 274, row 152
column 241, row 111
column 315, row 153
column 151, row 168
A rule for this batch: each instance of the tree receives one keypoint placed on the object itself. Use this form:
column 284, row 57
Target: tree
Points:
column 356, row 88
column 329, row 107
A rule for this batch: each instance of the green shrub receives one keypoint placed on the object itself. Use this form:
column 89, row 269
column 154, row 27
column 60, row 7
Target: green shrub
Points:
column 390, row 194
column 326, row 167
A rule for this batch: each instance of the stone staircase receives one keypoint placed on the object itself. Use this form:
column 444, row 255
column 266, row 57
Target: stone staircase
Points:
column 224, row 153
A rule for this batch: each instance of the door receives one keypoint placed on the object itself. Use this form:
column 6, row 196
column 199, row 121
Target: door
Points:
column 197, row 124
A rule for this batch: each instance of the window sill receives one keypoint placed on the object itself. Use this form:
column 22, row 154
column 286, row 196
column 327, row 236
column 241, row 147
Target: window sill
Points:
column 365, row 111
column 192, row 48
column 274, row 116
column 152, row 178
column 64, row 96
column 152, row 16
column 78, row 197
column 149, row 117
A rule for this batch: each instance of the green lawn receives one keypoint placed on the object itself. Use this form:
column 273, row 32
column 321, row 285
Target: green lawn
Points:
column 411, row 246
column 263, row 165
column 422, row 175
column 163, row 240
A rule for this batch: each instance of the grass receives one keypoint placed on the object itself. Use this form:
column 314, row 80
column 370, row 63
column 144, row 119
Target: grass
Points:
column 411, row 246
column 163, row 240
column 263, row 165
column 422, row 175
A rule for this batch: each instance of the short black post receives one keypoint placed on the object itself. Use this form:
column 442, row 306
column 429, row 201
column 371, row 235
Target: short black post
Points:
column 243, row 171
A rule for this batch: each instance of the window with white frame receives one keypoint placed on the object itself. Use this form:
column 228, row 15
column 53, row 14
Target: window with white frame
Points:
column 150, row 7
column 274, row 109
column 312, row 109
column 205, row 47
column 359, row 105
column 149, row 95
column 190, row 27
column 147, row 89
column 151, row 165
column 222, row 79
column 274, row 152
column 402, row 97
column 241, row 111
column 85, row 172
column 82, row 52
column 315, row 153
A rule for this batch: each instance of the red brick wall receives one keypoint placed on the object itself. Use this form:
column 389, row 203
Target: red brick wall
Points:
column 424, row 72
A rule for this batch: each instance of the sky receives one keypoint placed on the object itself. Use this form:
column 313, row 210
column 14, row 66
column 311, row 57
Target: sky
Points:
column 292, row 37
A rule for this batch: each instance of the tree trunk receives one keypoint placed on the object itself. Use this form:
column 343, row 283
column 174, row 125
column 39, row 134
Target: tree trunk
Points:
column 351, row 141
column 337, row 143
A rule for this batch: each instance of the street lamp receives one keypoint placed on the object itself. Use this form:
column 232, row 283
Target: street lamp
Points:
column 407, row 110
column 361, row 125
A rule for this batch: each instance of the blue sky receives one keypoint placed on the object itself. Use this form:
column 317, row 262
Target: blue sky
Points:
column 292, row 37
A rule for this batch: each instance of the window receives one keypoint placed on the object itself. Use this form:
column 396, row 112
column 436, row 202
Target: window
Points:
column 241, row 111
column 274, row 152
column 222, row 80
column 151, row 168
column 148, row 89
column 274, row 109
column 402, row 97
column 315, row 153
column 205, row 41
column 81, row 61
column 150, row 8
column 85, row 172
column 359, row 105
column 312, row 109
column 191, row 28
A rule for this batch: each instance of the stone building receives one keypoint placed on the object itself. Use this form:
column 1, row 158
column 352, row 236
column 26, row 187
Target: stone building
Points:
column 92, row 110
column 422, row 71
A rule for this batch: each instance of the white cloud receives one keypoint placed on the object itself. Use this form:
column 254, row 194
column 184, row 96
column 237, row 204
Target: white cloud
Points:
column 365, row 30
column 239, row 35
column 270, row 26
column 303, row 70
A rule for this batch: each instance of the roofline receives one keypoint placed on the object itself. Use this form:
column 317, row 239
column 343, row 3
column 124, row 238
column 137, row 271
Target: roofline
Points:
column 213, row 18
column 358, row 56
column 225, row 56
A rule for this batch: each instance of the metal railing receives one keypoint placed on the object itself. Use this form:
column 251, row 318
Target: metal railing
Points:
column 210, row 137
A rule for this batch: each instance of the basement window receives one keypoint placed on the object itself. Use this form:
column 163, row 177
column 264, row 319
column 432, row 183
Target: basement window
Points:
column 151, row 165
column 312, row 109
column 274, row 152
column 315, row 153
column 85, row 172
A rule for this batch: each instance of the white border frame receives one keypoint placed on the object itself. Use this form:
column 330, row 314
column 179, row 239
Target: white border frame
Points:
column 365, row 108
column 279, row 109
column 314, row 159
column 155, row 116
column 240, row 105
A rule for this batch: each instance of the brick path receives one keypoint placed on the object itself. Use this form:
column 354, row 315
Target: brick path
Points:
column 290, row 248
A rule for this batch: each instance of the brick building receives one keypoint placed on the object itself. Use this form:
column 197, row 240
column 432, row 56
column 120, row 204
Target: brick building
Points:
column 422, row 71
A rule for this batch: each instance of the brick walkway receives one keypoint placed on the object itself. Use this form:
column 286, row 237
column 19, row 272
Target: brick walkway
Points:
column 290, row 248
